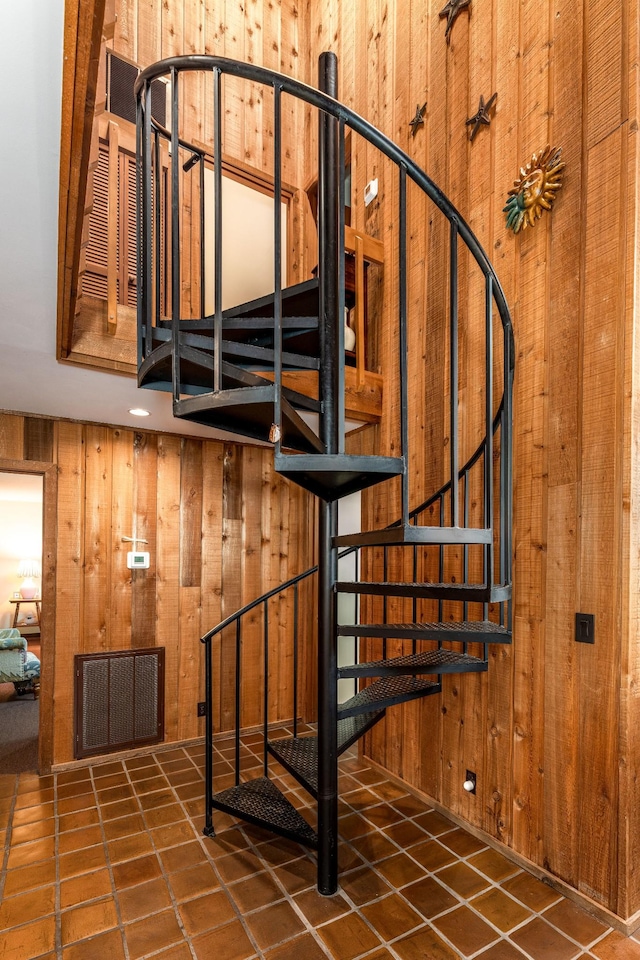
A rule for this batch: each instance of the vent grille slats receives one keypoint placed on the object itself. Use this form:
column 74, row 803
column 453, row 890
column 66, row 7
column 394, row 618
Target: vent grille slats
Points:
column 119, row 700
column 121, row 77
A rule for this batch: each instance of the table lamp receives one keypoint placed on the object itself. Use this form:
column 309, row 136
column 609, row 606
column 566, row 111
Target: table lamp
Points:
column 29, row 569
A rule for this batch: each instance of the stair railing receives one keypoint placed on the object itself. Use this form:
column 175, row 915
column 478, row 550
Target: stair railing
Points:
column 337, row 118
column 434, row 504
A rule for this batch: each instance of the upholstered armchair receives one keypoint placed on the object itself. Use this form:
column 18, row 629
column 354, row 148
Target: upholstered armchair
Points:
column 17, row 665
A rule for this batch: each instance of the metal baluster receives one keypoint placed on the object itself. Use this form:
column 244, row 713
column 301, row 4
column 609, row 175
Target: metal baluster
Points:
column 238, row 717
column 208, row 742
column 465, row 551
column 202, row 229
column 217, row 216
column 340, row 405
column 295, row 659
column 157, row 209
column 175, row 238
column 488, row 452
column 402, row 339
column 453, row 365
column 441, row 560
column 265, row 731
column 414, row 604
column 385, row 599
column 327, row 522
column 277, row 248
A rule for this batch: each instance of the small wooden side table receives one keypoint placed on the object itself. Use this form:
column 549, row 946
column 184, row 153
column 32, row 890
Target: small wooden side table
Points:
column 20, row 600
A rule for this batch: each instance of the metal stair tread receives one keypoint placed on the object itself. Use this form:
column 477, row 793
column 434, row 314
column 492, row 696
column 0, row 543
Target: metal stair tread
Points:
column 409, row 533
column 299, row 755
column 387, row 692
column 467, row 631
column 249, row 411
column 260, row 802
column 433, row 661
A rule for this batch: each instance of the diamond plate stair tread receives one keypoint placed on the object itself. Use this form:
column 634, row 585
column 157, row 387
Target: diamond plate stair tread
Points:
column 387, row 692
column 260, row 802
column 470, row 631
column 299, row 755
column 433, row 661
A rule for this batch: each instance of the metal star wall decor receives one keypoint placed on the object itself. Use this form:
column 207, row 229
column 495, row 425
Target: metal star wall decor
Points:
column 451, row 10
column 418, row 119
column 482, row 116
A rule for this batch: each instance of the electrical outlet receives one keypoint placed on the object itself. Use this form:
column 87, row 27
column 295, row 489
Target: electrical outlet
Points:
column 202, row 708
column 469, row 781
column 585, row 628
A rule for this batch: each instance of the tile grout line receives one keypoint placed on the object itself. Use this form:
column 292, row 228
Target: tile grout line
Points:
column 109, row 865
column 7, row 844
column 221, row 884
column 56, row 853
column 174, row 902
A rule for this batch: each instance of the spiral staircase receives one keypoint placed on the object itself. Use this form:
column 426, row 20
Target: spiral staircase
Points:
column 228, row 369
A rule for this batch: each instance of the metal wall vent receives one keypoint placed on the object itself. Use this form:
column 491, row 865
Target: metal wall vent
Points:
column 121, row 76
column 119, row 700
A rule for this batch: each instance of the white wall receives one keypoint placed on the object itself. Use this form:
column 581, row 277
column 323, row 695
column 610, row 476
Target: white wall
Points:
column 32, row 381
column 349, row 521
column 20, row 536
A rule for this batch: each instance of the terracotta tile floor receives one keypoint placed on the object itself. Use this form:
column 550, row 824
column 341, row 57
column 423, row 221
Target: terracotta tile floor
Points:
column 110, row 862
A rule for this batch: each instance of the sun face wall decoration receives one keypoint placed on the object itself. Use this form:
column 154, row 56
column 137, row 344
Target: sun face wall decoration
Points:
column 535, row 189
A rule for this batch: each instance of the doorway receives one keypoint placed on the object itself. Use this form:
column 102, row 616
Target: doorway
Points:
column 21, row 555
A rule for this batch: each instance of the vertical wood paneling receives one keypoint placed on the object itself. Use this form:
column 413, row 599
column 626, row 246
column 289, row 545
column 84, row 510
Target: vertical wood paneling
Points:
column 629, row 764
column 191, row 513
column 196, row 503
column 529, row 725
column 563, row 431
column 530, row 494
column 145, row 504
column 212, row 563
column 11, row 437
column 119, row 627
column 38, row 439
column 501, row 736
column 70, row 598
column 96, row 614
column 601, row 489
column 168, row 575
column 551, row 726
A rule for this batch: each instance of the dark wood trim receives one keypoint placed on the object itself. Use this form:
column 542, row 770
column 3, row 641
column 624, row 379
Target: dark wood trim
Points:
column 49, row 473
column 83, row 25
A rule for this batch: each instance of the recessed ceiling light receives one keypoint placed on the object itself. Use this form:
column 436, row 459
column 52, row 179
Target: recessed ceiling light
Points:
column 139, row 412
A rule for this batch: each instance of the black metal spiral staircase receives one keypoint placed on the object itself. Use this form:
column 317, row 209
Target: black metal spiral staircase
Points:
column 228, row 370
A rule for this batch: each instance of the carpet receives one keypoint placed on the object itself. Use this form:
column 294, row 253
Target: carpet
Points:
column 19, row 723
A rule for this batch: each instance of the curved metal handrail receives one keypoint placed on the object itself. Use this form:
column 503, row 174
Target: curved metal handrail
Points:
column 332, row 107
column 338, row 110
column 433, row 498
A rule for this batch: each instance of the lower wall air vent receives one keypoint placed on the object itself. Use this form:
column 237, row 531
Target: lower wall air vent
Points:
column 119, row 700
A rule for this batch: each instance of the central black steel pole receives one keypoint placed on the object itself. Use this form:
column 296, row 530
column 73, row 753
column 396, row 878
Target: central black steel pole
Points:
column 328, row 292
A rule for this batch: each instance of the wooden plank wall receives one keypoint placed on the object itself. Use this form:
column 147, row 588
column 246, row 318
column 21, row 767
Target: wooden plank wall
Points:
column 270, row 35
column 196, row 503
column 552, row 729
